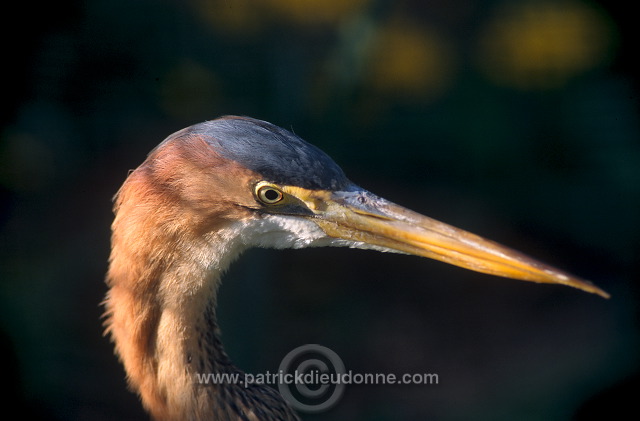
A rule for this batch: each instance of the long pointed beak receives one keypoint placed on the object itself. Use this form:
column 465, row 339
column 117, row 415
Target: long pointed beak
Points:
column 359, row 216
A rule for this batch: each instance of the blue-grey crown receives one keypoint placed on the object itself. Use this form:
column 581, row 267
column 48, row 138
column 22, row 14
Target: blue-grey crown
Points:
column 277, row 154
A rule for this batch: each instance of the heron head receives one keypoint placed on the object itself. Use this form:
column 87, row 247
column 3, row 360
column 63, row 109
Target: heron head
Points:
column 280, row 191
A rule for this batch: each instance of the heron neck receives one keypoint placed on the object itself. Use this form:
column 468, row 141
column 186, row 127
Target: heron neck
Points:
column 188, row 347
column 162, row 317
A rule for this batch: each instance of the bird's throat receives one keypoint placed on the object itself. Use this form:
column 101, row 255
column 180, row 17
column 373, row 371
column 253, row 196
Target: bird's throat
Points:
column 167, row 336
column 162, row 318
column 187, row 349
column 165, row 268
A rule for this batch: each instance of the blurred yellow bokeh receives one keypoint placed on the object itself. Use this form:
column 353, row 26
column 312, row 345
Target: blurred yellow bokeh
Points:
column 248, row 17
column 542, row 44
column 230, row 16
column 316, row 11
column 409, row 61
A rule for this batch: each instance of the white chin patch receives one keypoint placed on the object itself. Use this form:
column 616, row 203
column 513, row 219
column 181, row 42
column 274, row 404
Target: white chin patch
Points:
column 281, row 232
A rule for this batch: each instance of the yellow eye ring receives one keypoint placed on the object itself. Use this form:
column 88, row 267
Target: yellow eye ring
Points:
column 268, row 194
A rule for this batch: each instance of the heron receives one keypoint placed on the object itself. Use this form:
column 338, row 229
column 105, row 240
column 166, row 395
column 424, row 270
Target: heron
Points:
column 215, row 189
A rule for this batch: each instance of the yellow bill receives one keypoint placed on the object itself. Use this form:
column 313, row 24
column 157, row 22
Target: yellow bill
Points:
column 359, row 216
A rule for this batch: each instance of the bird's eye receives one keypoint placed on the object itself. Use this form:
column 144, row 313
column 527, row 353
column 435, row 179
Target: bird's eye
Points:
column 268, row 194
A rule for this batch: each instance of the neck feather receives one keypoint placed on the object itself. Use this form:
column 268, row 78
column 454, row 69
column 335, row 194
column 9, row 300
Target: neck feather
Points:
column 160, row 310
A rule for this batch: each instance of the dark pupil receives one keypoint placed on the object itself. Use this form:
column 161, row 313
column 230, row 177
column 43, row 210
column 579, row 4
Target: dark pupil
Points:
column 271, row 195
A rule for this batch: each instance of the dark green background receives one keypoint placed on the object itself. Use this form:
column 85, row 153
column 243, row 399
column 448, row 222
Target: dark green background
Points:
column 544, row 158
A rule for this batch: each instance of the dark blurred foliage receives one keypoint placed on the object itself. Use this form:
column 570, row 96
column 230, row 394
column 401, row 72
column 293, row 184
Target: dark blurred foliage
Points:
column 517, row 120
